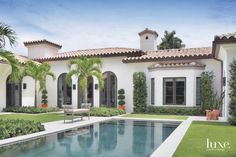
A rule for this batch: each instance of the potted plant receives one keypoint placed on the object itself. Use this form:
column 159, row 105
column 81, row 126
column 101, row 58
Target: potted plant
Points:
column 216, row 105
column 44, row 99
column 214, row 112
column 121, row 99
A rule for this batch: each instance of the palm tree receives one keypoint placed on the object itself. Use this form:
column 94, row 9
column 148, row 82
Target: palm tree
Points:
column 9, row 58
column 6, row 33
column 85, row 68
column 38, row 72
column 170, row 41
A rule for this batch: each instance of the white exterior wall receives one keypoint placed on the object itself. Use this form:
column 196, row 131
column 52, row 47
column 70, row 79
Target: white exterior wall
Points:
column 189, row 74
column 5, row 72
column 28, row 93
column 227, row 53
column 123, row 72
column 41, row 50
column 149, row 44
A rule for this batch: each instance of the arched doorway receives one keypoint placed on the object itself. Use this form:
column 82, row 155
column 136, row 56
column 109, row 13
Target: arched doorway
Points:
column 108, row 95
column 90, row 92
column 13, row 93
column 64, row 91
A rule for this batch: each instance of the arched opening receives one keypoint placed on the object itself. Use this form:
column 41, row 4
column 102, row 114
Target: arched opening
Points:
column 108, row 95
column 64, row 91
column 90, row 92
column 13, row 93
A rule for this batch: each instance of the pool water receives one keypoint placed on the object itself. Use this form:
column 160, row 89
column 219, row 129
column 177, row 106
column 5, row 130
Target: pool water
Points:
column 116, row 138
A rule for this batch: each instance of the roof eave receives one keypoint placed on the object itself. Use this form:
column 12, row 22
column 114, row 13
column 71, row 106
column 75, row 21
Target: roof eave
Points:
column 166, row 59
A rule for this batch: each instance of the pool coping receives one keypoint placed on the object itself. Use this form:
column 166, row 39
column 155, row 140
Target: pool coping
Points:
column 171, row 143
column 53, row 128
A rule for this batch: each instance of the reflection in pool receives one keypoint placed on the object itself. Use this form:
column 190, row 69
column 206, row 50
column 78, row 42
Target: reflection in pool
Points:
column 116, row 138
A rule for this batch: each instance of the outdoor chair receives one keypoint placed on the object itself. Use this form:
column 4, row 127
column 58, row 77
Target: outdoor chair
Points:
column 72, row 113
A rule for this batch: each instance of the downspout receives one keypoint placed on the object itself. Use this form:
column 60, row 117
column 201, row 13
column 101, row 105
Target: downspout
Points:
column 222, row 78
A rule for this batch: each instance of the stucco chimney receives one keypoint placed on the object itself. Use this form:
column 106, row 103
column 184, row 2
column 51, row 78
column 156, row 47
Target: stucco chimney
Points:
column 41, row 48
column 148, row 40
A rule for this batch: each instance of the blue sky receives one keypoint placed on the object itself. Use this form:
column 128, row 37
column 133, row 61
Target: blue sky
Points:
column 77, row 24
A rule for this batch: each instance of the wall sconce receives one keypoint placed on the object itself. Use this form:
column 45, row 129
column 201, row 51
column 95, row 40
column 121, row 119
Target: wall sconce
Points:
column 96, row 86
column 224, row 81
column 74, row 87
column 24, row 86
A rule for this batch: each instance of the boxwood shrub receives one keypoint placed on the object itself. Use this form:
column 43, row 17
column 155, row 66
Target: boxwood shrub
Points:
column 15, row 127
column 30, row 109
column 105, row 112
column 195, row 111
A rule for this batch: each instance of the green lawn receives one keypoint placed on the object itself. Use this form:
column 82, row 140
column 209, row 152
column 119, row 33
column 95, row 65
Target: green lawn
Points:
column 156, row 116
column 194, row 143
column 48, row 117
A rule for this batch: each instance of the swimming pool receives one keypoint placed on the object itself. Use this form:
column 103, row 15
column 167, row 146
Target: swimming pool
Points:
column 114, row 138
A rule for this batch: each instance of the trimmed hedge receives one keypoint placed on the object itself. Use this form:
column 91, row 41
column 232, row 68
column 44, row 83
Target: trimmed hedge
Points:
column 196, row 111
column 30, row 109
column 105, row 112
column 16, row 127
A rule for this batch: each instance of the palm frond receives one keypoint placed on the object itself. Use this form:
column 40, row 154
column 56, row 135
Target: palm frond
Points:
column 9, row 58
column 6, row 32
column 69, row 75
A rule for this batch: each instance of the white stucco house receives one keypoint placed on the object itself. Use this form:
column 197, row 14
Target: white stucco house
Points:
column 172, row 75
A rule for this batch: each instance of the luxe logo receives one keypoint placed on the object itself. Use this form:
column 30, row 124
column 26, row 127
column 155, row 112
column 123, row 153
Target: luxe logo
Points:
column 217, row 145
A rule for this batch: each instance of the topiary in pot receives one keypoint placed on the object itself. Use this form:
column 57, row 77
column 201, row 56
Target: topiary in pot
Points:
column 121, row 99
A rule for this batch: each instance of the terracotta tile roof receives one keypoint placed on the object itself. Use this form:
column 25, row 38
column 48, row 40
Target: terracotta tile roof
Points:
column 20, row 58
column 172, row 54
column 226, row 36
column 147, row 31
column 177, row 64
column 116, row 51
column 44, row 41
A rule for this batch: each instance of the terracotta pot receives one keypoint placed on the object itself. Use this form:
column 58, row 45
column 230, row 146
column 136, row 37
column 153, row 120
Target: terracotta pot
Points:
column 208, row 114
column 44, row 105
column 121, row 107
column 216, row 113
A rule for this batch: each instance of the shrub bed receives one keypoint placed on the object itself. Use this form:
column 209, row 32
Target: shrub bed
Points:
column 15, row 127
column 105, row 112
column 31, row 110
column 196, row 111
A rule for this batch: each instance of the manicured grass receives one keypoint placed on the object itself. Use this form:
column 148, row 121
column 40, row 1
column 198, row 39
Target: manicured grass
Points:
column 47, row 117
column 194, row 143
column 156, row 116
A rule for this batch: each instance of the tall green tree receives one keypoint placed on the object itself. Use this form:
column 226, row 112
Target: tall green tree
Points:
column 139, row 92
column 38, row 72
column 84, row 68
column 206, row 90
column 232, row 93
column 170, row 41
column 8, row 34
